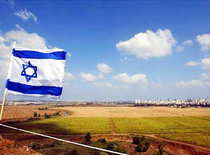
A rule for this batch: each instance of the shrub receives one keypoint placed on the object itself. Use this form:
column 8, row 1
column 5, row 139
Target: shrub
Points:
column 103, row 153
column 47, row 115
column 112, row 146
column 160, row 149
column 46, row 145
column 102, row 140
column 34, row 146
column 143, row 145
column 136, row 140
column 35, row 114
column 57, row 113
column 74, row 152
column 87, row 137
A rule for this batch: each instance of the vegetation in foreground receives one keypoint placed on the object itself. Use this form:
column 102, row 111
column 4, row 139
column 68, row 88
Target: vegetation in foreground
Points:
column 55, row 147
column 194, row 130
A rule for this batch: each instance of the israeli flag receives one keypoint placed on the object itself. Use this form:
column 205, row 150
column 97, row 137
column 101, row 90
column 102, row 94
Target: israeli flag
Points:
column 36, row 73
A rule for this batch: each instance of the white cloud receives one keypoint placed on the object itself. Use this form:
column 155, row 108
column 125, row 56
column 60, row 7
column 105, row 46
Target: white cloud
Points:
column 68, row 76
column 26, row 15
column 148, row 44
column 203, row 81
column 192, row 83
column 192, row 63
column 87, row 77
column 103, row 84
column 104, row 68
column 205, row 63
column 204, row 41
column 133, row 79
column 205, row 76
column 187, row 42
column 101, row 76
column 23, row 39
column 26, row 40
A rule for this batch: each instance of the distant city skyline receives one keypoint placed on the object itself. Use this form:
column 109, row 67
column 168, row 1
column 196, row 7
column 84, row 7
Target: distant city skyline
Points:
column 117, row 50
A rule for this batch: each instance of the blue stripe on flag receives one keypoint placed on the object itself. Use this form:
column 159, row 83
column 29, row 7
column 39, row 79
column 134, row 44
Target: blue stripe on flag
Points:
column 61, row 55
column 29, row 89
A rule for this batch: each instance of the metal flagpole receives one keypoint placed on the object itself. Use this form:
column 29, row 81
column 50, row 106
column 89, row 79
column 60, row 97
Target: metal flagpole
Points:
column 4, row 96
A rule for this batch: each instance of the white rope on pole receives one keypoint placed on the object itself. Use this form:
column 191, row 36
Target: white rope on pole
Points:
column 62, row 140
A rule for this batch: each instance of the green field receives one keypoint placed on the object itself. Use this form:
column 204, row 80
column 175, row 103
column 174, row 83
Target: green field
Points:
column 194, row 130
column 69, row 125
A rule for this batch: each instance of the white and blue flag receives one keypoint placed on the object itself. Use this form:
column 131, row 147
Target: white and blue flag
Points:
column 36, row 73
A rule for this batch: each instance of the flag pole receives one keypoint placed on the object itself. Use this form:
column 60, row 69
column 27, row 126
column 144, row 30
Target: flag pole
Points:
column 2, row 104
column 4, row 96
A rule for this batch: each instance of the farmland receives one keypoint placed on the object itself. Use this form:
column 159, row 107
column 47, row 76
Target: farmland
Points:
column 69, row 125
column 188, row 125
column 24, row 112
column 123, row 111
column 175, row 128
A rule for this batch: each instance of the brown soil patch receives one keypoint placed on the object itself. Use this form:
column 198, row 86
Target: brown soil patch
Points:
column 14, row 148
column 24, row 112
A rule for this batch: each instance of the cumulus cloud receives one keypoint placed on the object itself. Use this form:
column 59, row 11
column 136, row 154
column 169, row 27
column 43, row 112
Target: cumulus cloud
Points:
column 68, row 76
column 192, row 83
column 192, row 63
column 26, row 15
column 148, row 44
column 26, row 40
column 204, row 41
column 187, row 42
column 87, row 77
column 103, row 84
column 23, row 39
column 133, row 79
column 205, row 76
column 203, row 81
column 104, row 68
column 205, row 63
column 100, row 76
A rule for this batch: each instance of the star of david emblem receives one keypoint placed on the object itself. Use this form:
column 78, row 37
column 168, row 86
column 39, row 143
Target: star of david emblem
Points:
column 29, row 71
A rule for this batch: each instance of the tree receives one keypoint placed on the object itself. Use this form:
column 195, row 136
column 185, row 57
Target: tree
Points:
column 47, row 115
column 87, row 137
column 136, row 140
column 143, row 145
column 35, row 114
column 160, row 149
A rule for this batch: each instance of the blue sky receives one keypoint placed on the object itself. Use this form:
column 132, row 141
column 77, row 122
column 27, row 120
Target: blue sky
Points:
column 120, row 50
